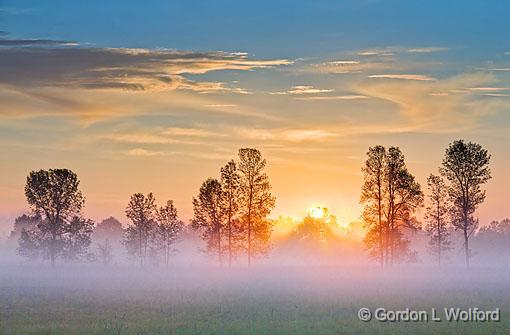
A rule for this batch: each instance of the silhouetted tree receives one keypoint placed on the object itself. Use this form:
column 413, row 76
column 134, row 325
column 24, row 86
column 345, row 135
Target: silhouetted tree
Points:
column 466, row 167
column 230, row 182
column 54, row 195
column 141, row 210
column 404, row 197
column 372, row 196
column 209, row 215
column 256, row 201
column 168, row 230
column 437, row 217
column 391, row 196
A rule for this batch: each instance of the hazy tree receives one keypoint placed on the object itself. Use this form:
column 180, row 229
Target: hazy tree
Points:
column 318, row 230
column 54, row 195
column 437, row 217
column 110, row 228
column 390, row 196
column 256, row 201
column 230, row 182
column 372, row 197
column 209, row 215
column 24, row 222
column 466, row 167
column 104, row 251
column 141, row 211
column 77, row 238
column 168, row 230
column 403, row 198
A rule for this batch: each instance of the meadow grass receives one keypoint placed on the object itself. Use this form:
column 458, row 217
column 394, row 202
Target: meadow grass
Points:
column 207, row 302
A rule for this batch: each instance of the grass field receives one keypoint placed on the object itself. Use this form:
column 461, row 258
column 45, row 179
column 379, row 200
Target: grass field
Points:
column 89, row 300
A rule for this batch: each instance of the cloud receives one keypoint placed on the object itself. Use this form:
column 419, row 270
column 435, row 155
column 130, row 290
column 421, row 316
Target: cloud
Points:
column 220, row 105
column 33, row 42
column 335, row 97
column 500, row 95
column 427, row 50
column 139, row 152
column 435, row 105
column 117, row 68
column 303, row 89
column 418, row 77
column 284, row 135
column 191, row 132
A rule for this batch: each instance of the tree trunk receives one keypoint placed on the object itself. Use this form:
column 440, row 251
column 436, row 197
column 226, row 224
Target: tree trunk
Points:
column 466, row 245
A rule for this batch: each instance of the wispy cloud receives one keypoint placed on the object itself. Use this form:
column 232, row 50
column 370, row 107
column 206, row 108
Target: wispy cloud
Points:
column 426, row 50
column 335, row 97
column 303, row 89
column 140, row 152
column 418, row 77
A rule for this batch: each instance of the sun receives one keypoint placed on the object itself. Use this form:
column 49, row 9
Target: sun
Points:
column 317, row 212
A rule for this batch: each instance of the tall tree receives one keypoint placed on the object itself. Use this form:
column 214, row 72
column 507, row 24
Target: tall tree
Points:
column 54, row 195
column 141, row 211
column 209, row 215
column 437, row 217
column 466, row 167
column 230, row 182
column 168, row 230
column 404, row 197
column 372, row 196
column 256, row 201
column 391, row 196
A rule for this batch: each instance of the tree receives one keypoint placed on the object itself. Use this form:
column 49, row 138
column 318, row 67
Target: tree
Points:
column 436, row 216
column 24, row 222
column 141, row 211
column 391, row 197
column 466, row 167
column 109, row 232
column 168, row 230
column 104, row 252
column 209, row 215
column 54, row 195
column 256, row 201
column 372, row 196
column 404, row 197
column 110, row 228
column 230, row 182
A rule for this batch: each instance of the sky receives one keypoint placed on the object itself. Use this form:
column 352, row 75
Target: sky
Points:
column 158, row 97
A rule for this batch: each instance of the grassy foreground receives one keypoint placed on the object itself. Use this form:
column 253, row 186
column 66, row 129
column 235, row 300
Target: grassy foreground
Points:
column 290, row 301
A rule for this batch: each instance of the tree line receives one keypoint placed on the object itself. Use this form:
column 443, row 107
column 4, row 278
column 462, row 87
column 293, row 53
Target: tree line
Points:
column 231, row 211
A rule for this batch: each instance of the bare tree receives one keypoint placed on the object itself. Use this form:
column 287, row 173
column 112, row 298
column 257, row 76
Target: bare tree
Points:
column 256, row 201
column 141, row 211
column 437, row 217
column 466, row 167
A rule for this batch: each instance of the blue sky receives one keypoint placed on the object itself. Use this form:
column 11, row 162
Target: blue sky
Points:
column 157, row 96
column 265, row 28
